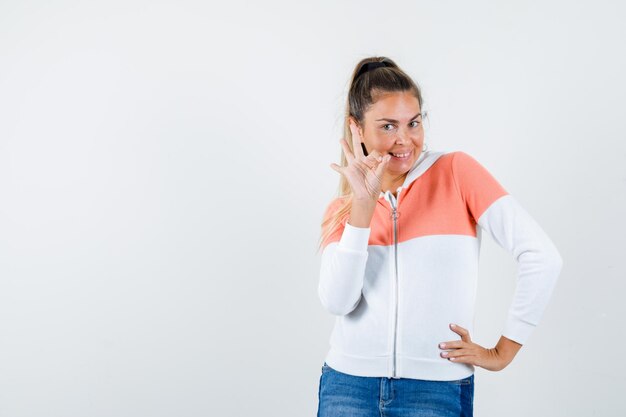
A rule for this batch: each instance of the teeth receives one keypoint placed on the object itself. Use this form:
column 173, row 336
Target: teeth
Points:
column 401, row 155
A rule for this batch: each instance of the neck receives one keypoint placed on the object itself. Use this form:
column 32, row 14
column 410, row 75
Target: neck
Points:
column 392, row 183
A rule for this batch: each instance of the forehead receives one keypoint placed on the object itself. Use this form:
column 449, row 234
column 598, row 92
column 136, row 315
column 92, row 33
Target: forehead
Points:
column 394, row 105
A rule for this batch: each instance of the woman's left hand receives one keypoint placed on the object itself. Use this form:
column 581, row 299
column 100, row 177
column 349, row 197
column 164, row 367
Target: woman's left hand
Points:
column 466, row 351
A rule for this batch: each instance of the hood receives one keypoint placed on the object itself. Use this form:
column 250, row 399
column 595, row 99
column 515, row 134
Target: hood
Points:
column 424, row 161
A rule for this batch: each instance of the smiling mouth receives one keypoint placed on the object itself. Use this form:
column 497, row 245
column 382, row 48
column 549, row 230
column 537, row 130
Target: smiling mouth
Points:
column 401, row 156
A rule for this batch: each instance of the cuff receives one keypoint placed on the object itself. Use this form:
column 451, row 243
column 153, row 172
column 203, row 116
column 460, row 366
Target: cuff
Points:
column 518, row 330
column 355, row 238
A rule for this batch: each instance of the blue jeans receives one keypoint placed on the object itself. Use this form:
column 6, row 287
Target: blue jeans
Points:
column 344, row 395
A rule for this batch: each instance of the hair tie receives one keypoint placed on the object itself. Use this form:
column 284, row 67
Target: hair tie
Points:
column 370, row 66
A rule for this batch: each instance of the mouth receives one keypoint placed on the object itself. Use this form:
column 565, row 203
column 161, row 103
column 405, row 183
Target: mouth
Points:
column 401, row 156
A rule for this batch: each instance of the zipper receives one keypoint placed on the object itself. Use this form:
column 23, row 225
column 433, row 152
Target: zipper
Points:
column 394, row 215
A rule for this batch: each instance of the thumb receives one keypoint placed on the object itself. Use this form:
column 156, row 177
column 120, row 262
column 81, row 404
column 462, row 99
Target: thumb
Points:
column 336, row 167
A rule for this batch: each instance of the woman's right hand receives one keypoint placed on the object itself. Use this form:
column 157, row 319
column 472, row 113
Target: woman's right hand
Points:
column 363, row 173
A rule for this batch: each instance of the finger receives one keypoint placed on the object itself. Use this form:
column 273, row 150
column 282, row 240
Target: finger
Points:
column 346, row 150
column 372, row 160
column 382, row 165
column 461, row 332
column 455, row 353
column 356, row 140
column 375, row 155
column 462, row 359
column 452, row 344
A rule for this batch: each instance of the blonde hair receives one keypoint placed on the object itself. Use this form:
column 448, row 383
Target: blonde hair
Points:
column 363, row 92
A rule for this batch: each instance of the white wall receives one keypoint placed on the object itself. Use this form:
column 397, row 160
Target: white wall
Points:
column 164, row 167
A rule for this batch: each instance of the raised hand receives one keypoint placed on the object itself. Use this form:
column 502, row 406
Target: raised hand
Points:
column 363, row 173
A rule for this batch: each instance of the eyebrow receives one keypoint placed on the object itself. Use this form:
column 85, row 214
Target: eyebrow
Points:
column 393, row 120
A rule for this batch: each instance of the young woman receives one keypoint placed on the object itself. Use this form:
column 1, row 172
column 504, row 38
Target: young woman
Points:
column 399, row 266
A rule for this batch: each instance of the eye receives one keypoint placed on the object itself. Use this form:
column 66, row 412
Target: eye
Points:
column 388, row 124
column 417, row 123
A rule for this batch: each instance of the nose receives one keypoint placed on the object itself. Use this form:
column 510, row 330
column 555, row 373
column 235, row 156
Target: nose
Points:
column 402, row 137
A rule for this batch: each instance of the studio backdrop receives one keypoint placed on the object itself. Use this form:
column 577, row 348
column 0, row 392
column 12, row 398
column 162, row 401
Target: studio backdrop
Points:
column 164, row 168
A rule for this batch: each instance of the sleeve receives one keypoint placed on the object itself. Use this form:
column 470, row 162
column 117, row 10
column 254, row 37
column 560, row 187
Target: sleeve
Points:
column 343, row 268
column 510, row 225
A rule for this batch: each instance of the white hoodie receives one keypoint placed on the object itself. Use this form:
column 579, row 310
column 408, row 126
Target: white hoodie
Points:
column 397, row 285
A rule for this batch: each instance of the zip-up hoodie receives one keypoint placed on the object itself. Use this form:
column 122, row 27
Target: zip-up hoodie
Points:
column 397, row 285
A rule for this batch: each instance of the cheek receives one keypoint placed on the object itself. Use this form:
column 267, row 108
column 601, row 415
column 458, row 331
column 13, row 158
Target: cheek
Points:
column 382, row 142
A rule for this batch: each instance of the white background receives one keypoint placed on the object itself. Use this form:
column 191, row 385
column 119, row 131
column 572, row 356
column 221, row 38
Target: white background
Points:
column 164, row 167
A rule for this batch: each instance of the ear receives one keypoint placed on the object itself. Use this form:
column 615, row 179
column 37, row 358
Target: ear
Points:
column 356, row 122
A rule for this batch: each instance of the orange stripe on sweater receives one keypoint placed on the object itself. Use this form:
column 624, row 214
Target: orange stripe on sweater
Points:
column 446, row 199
